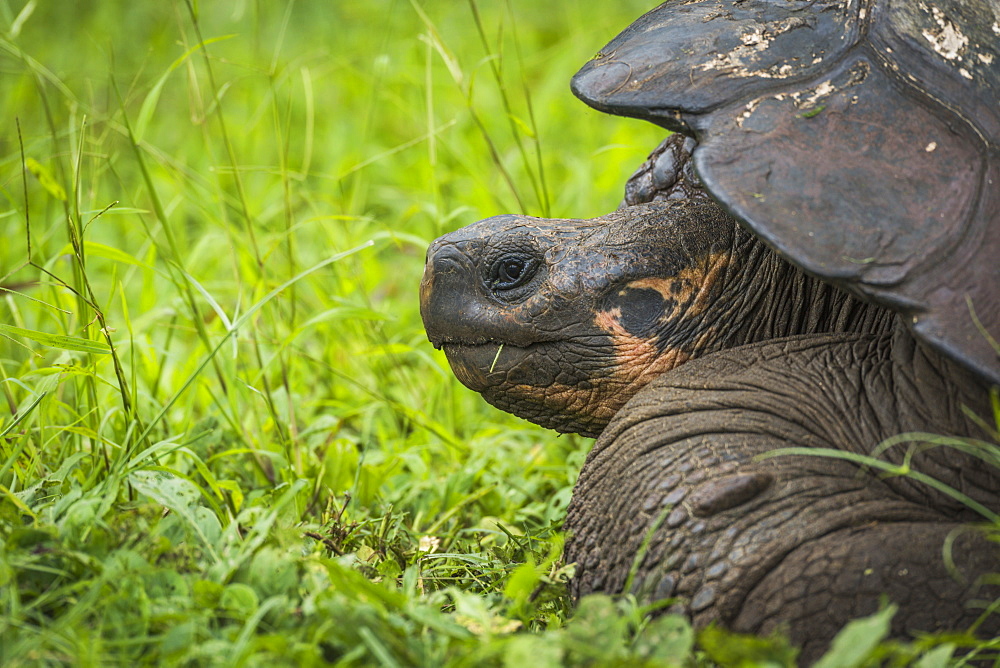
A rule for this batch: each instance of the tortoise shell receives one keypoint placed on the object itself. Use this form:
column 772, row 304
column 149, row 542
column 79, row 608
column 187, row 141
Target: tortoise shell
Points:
column 859, row 138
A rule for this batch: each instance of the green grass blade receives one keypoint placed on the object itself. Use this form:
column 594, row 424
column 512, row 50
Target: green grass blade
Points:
column 891, row 469
column 60, row 341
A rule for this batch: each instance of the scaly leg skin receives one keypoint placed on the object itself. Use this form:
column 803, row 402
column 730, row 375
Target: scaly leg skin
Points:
column 666, row 175
column 807, row 542
column 842, row 575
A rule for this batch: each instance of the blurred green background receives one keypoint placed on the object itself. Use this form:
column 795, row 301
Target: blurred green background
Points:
column 225, row 438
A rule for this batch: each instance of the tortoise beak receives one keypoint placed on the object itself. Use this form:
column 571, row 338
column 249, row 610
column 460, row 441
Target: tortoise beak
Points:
column 445, row 306
column 454, row 319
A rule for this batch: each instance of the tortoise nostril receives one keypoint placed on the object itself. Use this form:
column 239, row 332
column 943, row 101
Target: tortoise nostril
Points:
column 445, row 264
column 446, row 260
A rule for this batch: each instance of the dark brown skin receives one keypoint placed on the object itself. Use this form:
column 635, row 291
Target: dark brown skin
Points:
column 599, row 317
column 727, row 352
column 806, row 542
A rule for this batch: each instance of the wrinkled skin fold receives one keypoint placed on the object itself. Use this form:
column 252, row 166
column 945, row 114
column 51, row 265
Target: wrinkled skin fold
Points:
column 803, row 542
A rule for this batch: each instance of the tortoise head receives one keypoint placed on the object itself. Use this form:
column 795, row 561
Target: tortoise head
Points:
column 562, row 321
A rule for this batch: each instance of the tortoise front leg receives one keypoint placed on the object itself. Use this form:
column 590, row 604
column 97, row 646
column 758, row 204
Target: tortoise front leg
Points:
column 676, row 502
column 843, row 575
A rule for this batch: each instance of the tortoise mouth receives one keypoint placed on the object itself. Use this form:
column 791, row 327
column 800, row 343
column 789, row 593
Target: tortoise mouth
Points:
column 480, row 366
column 534, row 383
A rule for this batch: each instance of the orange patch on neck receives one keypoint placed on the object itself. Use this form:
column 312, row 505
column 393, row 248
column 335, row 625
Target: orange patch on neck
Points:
column 637, row 361
column 640, row 360
column 690, row 288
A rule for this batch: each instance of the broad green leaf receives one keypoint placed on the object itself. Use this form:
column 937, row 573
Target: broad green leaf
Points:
column 60, row 341
column 180, row 496
column 239, row 600
column 858, row 640
column 669, row 638
column 206, row 593
column 179, row 638
column 522, row 583
column 354, row 584
column 939, row 657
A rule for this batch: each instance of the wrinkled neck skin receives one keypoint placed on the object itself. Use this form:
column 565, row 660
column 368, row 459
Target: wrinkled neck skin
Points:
column 765, row 298
column 930, row 392
column 614, row 302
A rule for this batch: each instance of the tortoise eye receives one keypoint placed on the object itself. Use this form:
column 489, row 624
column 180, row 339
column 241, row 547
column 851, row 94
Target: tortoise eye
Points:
column 511, row 272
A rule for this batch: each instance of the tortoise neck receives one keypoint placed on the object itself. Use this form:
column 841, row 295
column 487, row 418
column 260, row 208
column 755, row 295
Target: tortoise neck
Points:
column 770, row 298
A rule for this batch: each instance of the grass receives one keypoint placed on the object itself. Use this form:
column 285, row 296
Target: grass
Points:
column 226, row 439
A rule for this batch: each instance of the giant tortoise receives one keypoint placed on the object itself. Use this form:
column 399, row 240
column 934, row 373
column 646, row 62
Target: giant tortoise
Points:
column 743, row 354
